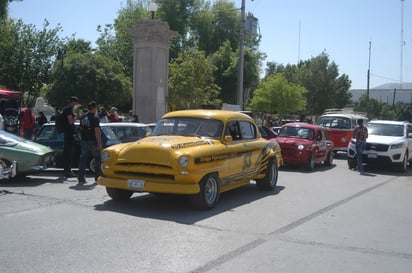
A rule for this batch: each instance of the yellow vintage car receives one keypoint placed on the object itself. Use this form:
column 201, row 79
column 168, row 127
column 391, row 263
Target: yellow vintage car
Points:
column 200, row 153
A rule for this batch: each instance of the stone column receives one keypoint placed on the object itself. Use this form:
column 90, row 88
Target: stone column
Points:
column 151, row 41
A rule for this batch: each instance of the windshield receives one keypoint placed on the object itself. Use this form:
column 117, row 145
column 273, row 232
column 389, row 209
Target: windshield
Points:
column 108, row 137
column 183, row 126
column 7, row 139
column 296, row 132
column 385, row 129
column 335, row 122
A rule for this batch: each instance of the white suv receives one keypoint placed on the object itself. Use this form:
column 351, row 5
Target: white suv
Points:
column 389, row 142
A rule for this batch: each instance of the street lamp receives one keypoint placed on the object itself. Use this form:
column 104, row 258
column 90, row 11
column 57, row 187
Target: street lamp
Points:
column 152, row 8
column 60, row 56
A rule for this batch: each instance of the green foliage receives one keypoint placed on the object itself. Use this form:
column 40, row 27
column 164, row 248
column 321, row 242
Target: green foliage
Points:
column 380, row 110
column 90, row 76
column 277, row 96
column 26, row 56
column 191, row 82
column 320, row 77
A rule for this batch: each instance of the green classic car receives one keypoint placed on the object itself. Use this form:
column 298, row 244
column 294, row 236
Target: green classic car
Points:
column 199, row 153
column 19, row 156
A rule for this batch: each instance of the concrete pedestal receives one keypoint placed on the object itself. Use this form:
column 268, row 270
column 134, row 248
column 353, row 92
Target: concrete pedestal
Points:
column 151, row 41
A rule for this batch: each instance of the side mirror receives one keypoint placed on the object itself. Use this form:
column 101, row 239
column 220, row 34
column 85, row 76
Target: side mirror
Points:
column 228, row 139
column 409, row 135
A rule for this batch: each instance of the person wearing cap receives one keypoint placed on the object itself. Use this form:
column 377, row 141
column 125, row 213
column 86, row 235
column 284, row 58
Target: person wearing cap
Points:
column 69, row 118
column 91, row 143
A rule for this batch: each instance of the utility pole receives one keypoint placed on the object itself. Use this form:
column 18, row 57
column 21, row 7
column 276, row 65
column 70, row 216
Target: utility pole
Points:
column 241, row 57
column 369, row 71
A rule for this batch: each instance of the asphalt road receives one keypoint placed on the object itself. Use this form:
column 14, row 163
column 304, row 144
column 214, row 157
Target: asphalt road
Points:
column 329, row 220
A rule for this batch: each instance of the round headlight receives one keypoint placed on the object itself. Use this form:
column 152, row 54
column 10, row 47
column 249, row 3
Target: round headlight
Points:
column 301, row 147
column 105, row 156
column 183, row 161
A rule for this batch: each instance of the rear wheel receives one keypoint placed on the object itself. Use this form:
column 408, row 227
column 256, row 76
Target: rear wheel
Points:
column 118, row 194
column 271, row 177
column 209, row 193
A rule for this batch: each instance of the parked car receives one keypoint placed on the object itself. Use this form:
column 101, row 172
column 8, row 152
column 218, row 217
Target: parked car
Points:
column 266, row 132
column 7, row 169
column 20, row 156
column 340, row 124
column 199, row 153
column 129, row 131
column 305, row 144
column 388, row 143
column 49, row 136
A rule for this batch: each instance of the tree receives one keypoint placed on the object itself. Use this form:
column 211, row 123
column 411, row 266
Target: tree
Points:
column 191, row 82
column 380, row 110
column 320, row 77
column 89, row 76
column 26, row 56
column 276, row 95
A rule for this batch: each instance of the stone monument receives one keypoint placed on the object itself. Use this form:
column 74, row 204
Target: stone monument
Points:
column 151, row 42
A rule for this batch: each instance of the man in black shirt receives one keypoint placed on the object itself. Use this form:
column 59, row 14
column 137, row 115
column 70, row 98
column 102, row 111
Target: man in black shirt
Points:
column 69, row 118
column 91, row 143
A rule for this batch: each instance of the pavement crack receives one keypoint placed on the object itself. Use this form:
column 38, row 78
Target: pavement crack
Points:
column 324, row 210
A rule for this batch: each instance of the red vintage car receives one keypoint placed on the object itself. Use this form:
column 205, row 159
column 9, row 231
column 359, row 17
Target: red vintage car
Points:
column 305, row 144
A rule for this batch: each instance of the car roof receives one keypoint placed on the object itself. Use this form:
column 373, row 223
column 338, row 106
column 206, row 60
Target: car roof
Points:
column 203, row 113
column 391, row 122
column 125, row 124
column 303, row 124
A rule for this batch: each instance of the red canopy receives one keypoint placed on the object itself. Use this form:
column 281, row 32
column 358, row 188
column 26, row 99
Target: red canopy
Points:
column 9, row 95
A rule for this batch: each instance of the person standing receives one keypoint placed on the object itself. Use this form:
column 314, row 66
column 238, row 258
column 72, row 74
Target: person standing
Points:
column 360, row 134
column 28, row 121
column 68, row 118
column 91, row 143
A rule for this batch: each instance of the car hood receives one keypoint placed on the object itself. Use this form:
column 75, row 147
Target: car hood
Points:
column 33, row 147
column 293, row 140
column 384, row 139
column 158, row 149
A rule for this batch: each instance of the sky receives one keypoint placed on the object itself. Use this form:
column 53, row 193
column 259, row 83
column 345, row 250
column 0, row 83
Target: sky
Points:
column 356, row 34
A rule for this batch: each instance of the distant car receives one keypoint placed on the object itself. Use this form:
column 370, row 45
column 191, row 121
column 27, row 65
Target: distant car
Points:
column 305, row 144
column 129, row 131
column 151, row 125
column 340, row 124
column 22, row 156
column 198, row 153
column 266, row 132
column 388, row 143
column 275, row 129
column 49, row 136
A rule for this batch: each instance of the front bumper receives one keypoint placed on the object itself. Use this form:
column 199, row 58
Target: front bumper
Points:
column 149, row 186
column 375, row 157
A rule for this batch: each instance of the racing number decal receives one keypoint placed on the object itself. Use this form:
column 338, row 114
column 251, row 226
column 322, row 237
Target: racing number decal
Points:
column 247, row 161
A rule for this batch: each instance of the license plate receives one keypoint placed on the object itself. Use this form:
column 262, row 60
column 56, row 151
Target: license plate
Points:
column 372, row 156
column 135, row 184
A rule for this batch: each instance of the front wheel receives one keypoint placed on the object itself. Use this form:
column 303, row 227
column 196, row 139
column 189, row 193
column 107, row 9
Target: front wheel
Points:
column 310, row 164
column 118, row 194
column 329, row 158
column 352, row 163
column 404, row 165
column 271, row 177
column 209, row 193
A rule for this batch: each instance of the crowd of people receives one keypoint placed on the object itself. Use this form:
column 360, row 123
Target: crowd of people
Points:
column 89, row 120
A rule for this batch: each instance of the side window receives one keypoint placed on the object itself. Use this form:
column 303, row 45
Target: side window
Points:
column 232, row 129
column 247, row 130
